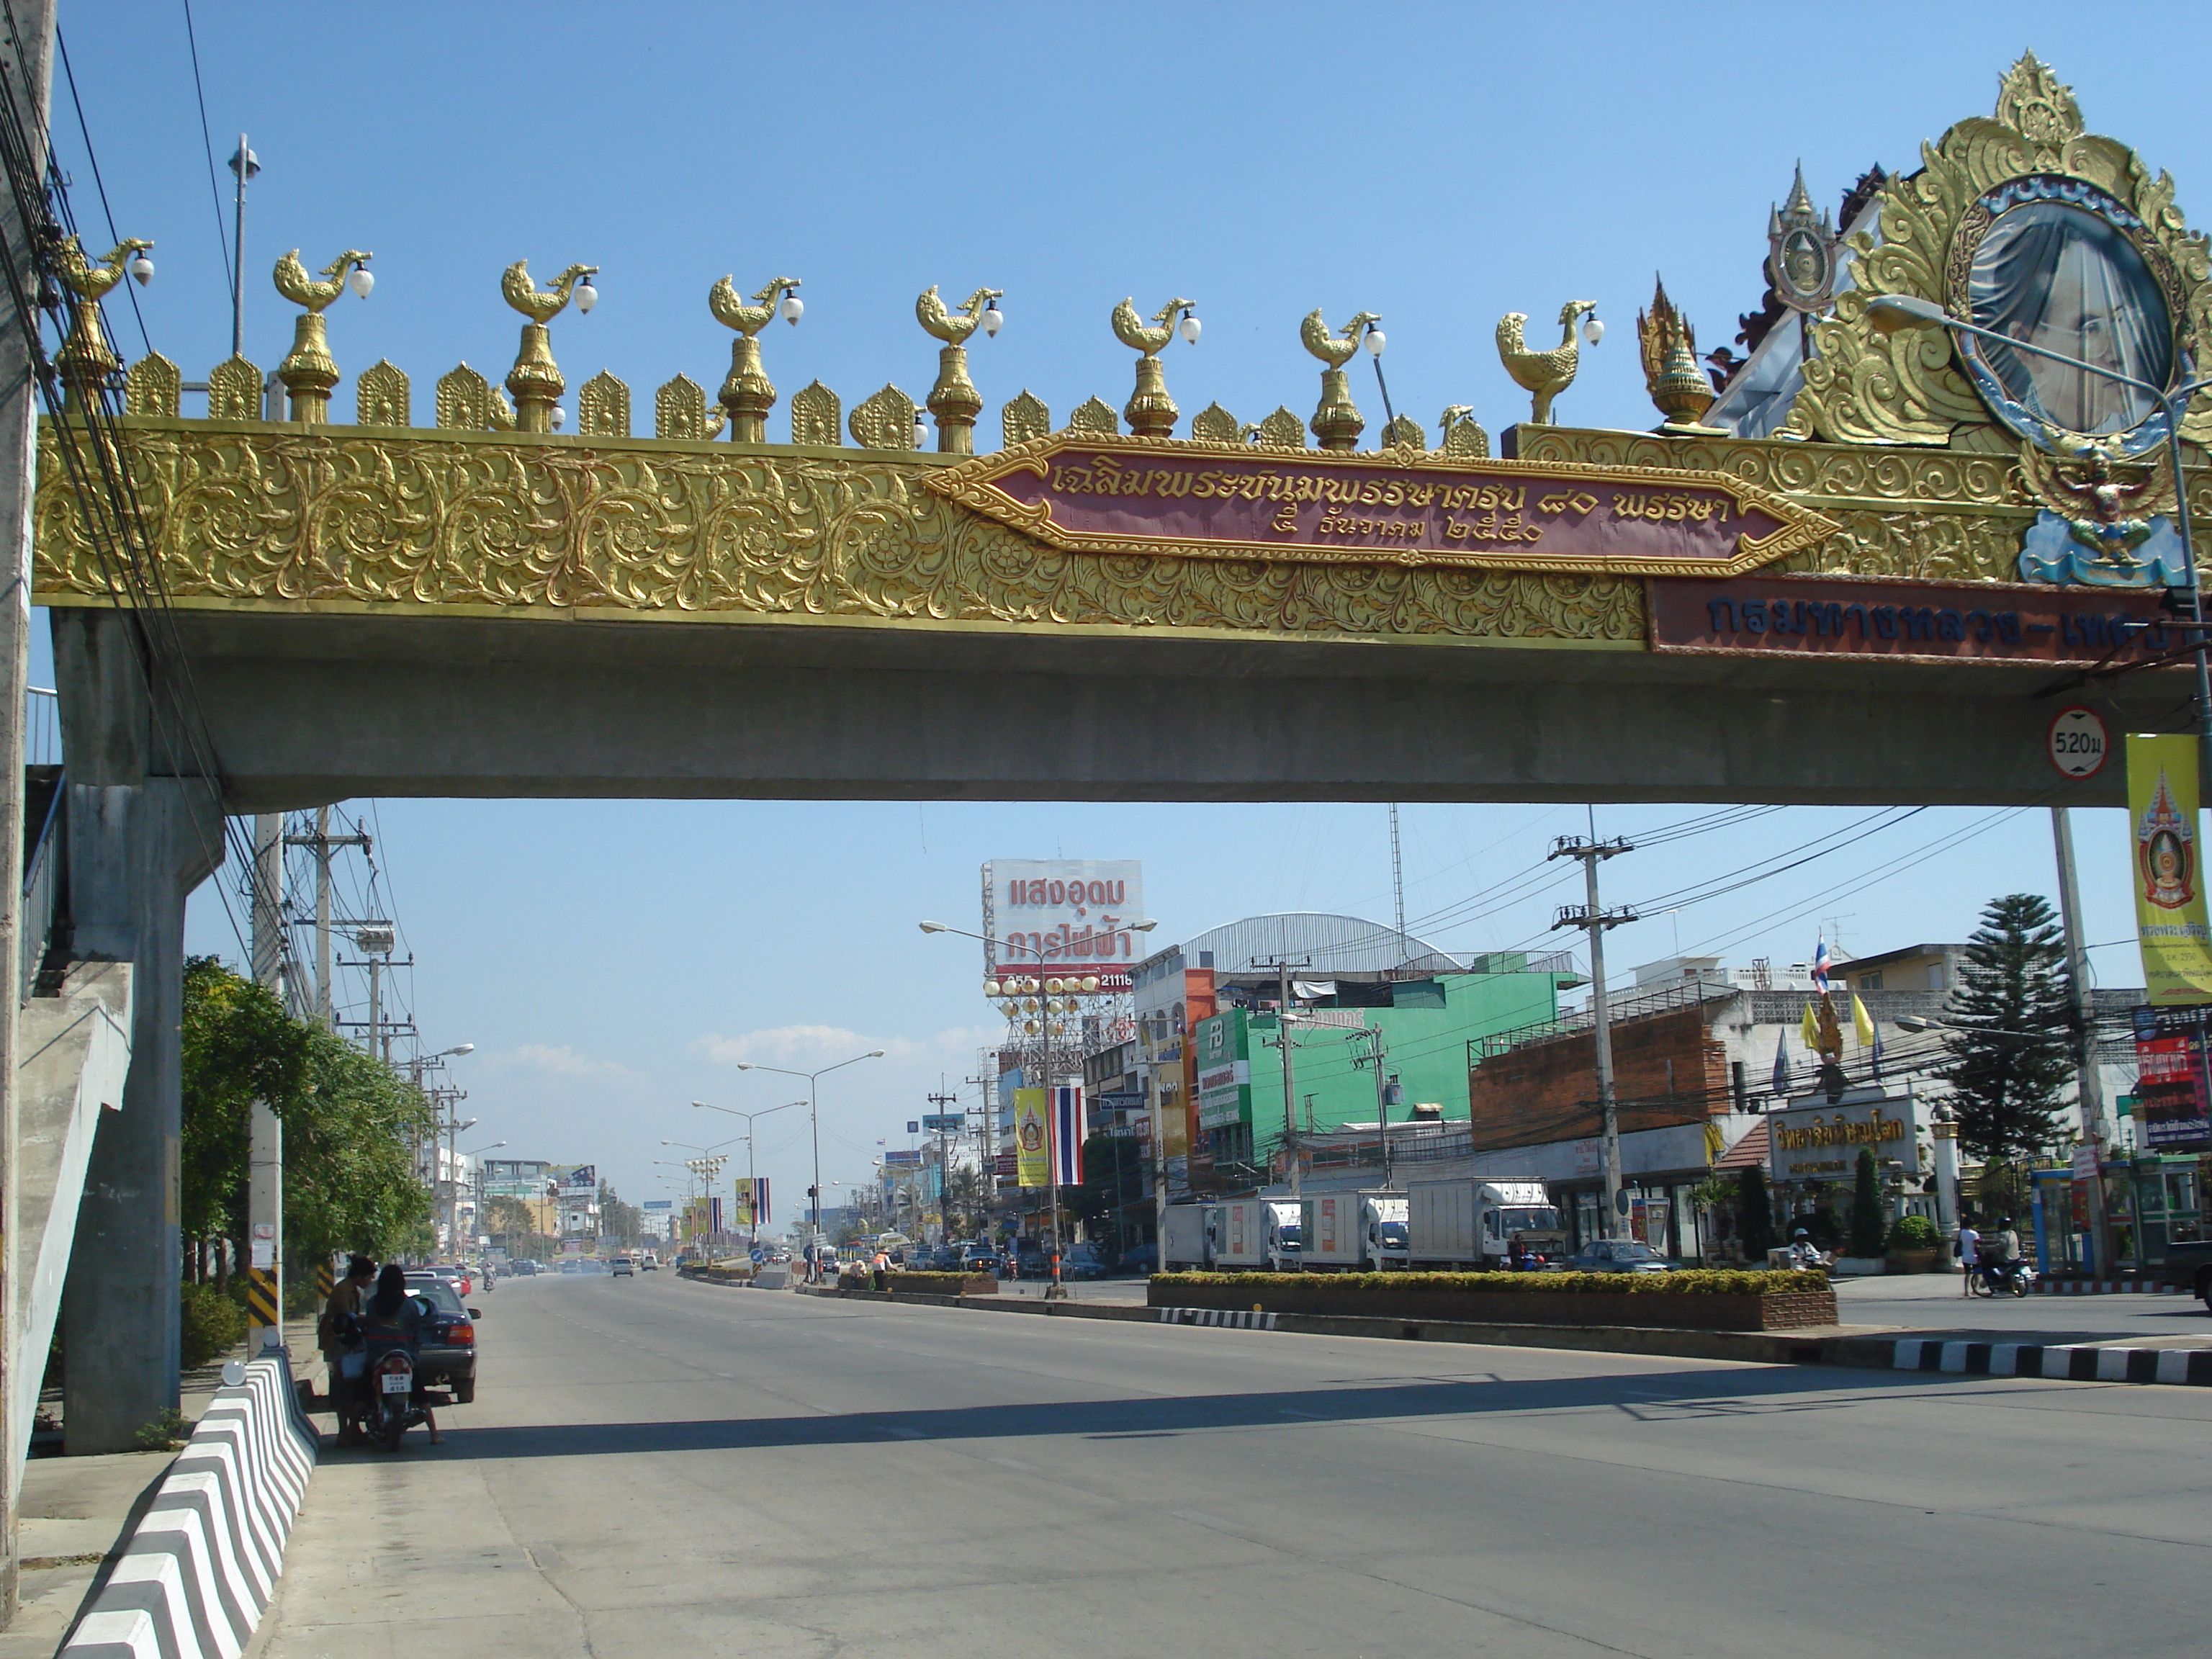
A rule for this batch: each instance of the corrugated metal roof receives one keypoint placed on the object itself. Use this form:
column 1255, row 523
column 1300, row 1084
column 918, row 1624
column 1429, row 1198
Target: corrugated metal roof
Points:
column 1327, row 944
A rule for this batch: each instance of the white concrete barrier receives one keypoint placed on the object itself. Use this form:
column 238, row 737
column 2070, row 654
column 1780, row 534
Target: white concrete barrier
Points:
column 201, row 1564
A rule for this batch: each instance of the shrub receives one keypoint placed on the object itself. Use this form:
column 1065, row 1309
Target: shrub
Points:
column 161, row 1433
column 1754, row 1215
column 1699, row 1282
column 1914, row 1232
column 211, row 1324
column 1866, row 1206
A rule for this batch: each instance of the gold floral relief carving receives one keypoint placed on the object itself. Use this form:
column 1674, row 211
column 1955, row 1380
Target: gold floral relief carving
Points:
column 1211, row 425
column 233, row 391
column 1024, row 418
column 679, row 410
column 603, row 407
column 277, row 516
column 817, row 417
column 1095, row 414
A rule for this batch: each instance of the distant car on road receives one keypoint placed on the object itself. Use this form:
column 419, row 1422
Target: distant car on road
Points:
column 975, row 1259
column 623, row 1266
column 1082, row 1261
column 1140, row 1258
column 647, row 1262
column 1616, row 1255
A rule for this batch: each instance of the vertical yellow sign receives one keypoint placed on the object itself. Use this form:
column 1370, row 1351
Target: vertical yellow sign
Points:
column 1032, row 1168
column 2168, row 874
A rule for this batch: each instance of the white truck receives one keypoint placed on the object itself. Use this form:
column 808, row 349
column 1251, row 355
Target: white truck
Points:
column 1187, row 1234
column 1475, row 1223
column 1257, row 1235
column 1353, row 1232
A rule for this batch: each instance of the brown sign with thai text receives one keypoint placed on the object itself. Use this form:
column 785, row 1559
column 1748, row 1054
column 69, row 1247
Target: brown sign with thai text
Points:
column 1910, row 621
column 1130, row 495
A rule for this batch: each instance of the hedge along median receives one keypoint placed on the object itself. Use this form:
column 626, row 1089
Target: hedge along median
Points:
column 924, row 1283
column 1692, row 1300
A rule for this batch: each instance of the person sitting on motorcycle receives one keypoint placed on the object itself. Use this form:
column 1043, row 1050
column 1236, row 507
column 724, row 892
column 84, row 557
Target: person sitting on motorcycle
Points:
column 332, row 1334
column 1802, row 1251
column 2000, row 1250
column 393, row 1316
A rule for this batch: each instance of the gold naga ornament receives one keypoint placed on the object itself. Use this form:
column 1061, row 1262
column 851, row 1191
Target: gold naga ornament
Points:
column 1678, row 387
column 954, row 400
column 1545, row 374
column 748, row 394
column 308, row 373
column 1336, row 421
column 86, row 359
column 535, row 381
column 1150, row 412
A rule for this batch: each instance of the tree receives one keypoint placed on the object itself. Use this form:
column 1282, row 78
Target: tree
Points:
column 1870, row 1230
column 2013, row 1055
column 618, row 1220
column 1112, row 1183
column 351, row 1125
column 1755, row 1216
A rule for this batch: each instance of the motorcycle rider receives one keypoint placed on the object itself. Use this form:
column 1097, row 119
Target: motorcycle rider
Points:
column 2000, row 1251
column 393, row 1316
column 1803, row 1252
column 332, row 1331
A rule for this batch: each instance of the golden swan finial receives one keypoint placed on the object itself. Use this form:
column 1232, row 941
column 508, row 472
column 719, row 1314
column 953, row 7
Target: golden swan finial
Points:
column 523, row 295
column 295, row 284
column 748, row 320
column 1133, row 333
column 1335, row 349
column 950, row 327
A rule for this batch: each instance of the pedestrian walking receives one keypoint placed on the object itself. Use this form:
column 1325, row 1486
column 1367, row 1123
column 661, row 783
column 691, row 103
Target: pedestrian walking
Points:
column 1969, row 1248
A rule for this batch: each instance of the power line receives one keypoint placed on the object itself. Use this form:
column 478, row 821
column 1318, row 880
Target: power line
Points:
column 207, row 144
column 114, row 236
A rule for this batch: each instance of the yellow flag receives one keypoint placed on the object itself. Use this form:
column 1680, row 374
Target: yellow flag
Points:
column 1862, row 1022
column 1810, row 1029
column 1032, row 1167
column 2168, row 873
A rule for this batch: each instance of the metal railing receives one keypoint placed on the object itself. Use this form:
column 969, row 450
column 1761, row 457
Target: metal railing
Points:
column 45, row 886
column 42, row 727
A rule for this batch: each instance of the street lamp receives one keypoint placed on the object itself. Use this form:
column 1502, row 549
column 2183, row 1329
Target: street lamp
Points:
column 814, row 1114
column 453, row 1212
column 1053, row 988
column 753, row 1181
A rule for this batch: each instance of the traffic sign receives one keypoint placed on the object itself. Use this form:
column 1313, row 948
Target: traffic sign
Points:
column 2077, row 744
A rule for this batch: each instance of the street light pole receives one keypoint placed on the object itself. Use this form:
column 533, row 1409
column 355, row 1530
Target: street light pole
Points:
column 814, row 1107
column 752, row 1173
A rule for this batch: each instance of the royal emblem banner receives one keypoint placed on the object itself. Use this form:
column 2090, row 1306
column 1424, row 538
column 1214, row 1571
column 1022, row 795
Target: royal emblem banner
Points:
column 2168, row 873
column 1032, row 1166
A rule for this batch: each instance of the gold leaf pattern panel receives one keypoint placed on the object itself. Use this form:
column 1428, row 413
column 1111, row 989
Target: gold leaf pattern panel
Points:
column 521, row 527
column 233, row 391
column 1023, row 419
column 1214, row 425
column 467, row 403
column 603, row 407
column 1095, row 416
column 816, row 417
column 1405, row 430
column 885, row 420
column 679, row 410
column 153, row 386
column 1282, row 430
column 382, row 396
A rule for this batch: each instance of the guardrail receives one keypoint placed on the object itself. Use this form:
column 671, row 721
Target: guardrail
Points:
column 45, row 883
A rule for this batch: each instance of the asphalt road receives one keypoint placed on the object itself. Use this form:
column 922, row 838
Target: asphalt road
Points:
column 656, row 1467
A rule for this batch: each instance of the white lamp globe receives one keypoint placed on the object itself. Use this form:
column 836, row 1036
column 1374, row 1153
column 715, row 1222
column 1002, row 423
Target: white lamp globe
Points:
column 1189, row 328
column 141, row 267
column 1593, row 329
column 1375, row 341
column 587, row 296
column 994, row 319
column 792, row 307
column 361, row 280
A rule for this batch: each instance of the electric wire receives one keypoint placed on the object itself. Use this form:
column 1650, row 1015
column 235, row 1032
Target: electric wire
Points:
column 91, row 158
column 207, row 144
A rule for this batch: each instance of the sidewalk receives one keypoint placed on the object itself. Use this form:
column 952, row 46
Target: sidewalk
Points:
column 77, row 1513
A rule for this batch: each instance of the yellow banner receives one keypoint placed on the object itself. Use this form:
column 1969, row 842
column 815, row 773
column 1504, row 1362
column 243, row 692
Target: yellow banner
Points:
column 1032, row 1168
column 2168, row 874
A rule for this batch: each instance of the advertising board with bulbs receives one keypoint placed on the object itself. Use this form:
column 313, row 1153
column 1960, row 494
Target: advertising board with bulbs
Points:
column 1066, row 919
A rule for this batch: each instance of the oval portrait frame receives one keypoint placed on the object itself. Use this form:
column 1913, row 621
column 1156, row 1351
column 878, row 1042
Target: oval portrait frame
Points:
column 1975, row 226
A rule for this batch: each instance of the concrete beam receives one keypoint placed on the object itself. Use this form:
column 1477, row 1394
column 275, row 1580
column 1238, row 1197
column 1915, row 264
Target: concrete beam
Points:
column 310, row 708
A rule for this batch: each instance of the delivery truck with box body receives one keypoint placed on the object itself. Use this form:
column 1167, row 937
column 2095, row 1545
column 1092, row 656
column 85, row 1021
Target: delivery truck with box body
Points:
column 1475, row 1223
column 1353, row 1232
column 1186, row 1237
column 1257, row 1235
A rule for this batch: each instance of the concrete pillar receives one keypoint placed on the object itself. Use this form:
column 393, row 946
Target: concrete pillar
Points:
column 138, row 845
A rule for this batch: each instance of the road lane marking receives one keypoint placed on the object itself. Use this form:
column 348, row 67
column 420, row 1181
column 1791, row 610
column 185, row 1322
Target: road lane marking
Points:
column 1013, row 1463
column 1197, row 1518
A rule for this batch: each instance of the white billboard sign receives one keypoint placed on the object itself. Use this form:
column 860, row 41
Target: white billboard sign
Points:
column 1064, row 916
column 1821, row 1142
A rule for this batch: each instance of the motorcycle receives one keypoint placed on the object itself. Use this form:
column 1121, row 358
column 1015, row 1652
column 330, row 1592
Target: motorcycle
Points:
column 380, row 1395
column 1990, row 1277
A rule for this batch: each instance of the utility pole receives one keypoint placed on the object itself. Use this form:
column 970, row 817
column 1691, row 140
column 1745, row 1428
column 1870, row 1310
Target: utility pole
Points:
column 245, row 165
column 2090, row 1086
column 1593, row 918
column 1374, row 1057
column 944, row 1103
column 264, row 1158
column 320, row 844
column 1282, row 965
column 1397, row 868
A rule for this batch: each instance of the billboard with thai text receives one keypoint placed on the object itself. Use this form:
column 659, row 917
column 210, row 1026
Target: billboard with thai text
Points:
column 1063, row 916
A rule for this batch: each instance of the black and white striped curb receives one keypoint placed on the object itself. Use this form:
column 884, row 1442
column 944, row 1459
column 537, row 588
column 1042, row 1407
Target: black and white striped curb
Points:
column 1236, row 1319
column 2074, row 1364
column 2103, row 1287
column 202, row 1565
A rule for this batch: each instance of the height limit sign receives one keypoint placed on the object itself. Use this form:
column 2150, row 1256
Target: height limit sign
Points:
column 2077, row 744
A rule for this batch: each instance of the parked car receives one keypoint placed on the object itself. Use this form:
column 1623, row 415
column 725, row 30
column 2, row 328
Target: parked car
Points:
column 1082, row 1261
column 1142, row 1259
column 1616, row 1255
column 976, row 1259
column 464, row 1280
column 623, row 1266
column 447, row 1357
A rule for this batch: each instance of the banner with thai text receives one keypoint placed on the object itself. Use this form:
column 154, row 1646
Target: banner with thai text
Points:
column 2168, row 873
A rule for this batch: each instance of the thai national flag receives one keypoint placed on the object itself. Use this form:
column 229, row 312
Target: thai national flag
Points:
column 1820, row 964
column 1068, row 1132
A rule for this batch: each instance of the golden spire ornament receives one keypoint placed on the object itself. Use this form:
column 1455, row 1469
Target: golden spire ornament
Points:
column 748, row 394
column 308, row 374
column 535, row 381
column 1150, row 412
column 1678, row 387
column 86, row 359
column 954, row 400
column 1336, row 421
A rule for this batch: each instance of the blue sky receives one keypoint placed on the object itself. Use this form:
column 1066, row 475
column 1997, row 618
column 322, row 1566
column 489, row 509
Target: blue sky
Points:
column 1439, row 164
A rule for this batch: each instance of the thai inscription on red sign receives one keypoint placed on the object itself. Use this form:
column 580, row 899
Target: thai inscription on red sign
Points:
column 1124, row 495
column 1911, row 620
